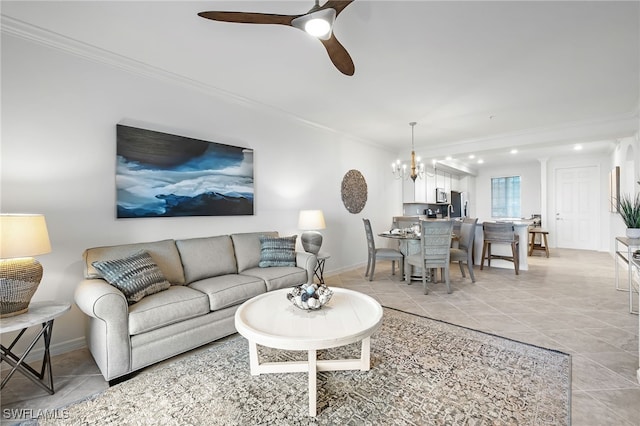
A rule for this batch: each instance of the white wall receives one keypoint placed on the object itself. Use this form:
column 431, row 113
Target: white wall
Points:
column 626, row 155
column 529, row 188
column 59, row 115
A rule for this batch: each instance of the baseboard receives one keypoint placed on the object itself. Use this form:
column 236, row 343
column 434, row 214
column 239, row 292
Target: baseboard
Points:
column 332, row 272
column 55, row 349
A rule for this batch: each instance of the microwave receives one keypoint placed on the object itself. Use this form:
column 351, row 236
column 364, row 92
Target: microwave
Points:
column 441, row 196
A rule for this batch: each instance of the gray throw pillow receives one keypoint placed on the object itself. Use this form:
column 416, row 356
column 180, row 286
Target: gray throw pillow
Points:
column 276, row 251
column 136, row 276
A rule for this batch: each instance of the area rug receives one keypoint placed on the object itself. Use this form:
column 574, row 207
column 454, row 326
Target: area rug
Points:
column 424, row 372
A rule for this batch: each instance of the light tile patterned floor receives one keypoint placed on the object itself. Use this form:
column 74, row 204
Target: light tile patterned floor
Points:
column 567, row 302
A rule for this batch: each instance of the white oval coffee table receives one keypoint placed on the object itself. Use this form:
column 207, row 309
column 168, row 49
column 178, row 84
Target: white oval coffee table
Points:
column 271, row 320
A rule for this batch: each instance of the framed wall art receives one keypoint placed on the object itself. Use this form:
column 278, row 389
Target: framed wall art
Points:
column 164, row 175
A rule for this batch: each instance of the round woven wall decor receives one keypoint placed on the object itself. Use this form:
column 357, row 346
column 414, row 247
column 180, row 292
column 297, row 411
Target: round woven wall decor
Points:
column 354, row 191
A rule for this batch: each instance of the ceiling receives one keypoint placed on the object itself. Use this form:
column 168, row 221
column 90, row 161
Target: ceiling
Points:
column 478, row 77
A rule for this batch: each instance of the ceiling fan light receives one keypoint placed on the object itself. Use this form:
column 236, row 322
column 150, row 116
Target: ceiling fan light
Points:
column 318, row 24
column 317, row 27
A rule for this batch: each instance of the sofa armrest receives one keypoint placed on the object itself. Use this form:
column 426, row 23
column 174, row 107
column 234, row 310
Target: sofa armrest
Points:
column 108, row 329
column 99, row 299
column 308, row 262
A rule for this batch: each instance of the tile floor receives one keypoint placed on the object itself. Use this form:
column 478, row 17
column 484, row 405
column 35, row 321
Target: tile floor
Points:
column 567, row 302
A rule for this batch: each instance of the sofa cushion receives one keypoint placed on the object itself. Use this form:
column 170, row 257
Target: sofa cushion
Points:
column 206, row 257
column 229, row 290
column 176, row 304
column 136, row 276
column 276, row 251
column 279, row 276
column 164, row 253
column 247, row 248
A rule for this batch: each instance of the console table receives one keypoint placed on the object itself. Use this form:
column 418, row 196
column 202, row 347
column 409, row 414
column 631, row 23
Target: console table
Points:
column 624, row 248
column 39, row 313
column 635, row 264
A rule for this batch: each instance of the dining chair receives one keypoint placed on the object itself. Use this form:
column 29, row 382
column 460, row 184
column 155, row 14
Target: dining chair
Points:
column 435, row 251
column 463, row 254
column 375, row 254
column 500, row 233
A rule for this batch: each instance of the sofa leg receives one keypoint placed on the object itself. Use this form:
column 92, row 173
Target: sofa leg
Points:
column 121, row 379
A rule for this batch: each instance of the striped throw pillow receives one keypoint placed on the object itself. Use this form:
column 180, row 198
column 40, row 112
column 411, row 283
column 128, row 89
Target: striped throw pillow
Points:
column 276, row 251
column 136, row 276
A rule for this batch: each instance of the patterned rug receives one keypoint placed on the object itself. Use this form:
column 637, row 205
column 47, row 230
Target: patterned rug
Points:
column 424, row 372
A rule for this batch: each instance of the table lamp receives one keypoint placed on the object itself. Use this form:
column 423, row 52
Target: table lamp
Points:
column 310, row 221
column 21, row 237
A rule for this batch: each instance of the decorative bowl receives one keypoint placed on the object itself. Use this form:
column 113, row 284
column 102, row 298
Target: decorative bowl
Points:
column 310, row 296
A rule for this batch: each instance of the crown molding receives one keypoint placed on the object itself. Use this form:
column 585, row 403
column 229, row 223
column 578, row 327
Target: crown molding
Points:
column 609, row 128
column 26, row 31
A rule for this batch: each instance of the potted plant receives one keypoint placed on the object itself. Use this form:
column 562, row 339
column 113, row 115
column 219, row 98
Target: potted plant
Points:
column 630, row 213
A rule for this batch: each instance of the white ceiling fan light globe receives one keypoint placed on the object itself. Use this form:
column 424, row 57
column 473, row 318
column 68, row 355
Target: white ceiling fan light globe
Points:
column 318, row 24
column 317, row 27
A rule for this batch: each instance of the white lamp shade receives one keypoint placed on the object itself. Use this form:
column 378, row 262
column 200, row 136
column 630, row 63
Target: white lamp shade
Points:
column 23, row 235
column 311, row 220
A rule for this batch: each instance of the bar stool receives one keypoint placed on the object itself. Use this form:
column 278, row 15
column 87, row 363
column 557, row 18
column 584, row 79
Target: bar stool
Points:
column 500, row 233
column 533, row 231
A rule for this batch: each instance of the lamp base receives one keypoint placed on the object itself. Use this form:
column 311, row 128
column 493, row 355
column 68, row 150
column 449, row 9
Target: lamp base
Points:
column 311, row 241
column 19, row 280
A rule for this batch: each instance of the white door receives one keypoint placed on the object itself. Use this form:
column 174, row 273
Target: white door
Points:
column 576, row 219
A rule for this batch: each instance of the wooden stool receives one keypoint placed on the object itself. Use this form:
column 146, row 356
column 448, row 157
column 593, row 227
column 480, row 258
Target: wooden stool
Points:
column 543, row 235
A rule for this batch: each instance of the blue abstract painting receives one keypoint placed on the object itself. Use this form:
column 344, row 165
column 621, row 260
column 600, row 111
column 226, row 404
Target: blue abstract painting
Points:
column 164, row 175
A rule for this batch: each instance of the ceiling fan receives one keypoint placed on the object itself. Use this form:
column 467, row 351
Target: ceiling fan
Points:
column 318, row 22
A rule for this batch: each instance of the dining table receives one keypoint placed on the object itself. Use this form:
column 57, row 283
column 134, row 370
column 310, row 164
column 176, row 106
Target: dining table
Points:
column 409, row 244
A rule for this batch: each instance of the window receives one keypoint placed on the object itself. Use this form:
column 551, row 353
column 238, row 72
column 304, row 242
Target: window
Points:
column 505, row 196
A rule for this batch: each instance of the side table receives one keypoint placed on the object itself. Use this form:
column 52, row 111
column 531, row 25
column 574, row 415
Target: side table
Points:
column 39, row 313
column 319, row 270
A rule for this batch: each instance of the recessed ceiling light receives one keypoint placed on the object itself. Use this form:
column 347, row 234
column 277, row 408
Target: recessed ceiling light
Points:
column 577, row 147
column 472, row 156
column 514, row 151
column 480, row 161
column 449, row 157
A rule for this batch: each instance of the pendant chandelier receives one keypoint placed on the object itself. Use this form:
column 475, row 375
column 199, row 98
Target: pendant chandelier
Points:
column 415, row 169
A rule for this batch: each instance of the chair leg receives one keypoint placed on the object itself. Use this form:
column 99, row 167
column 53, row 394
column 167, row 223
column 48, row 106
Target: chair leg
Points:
column 461, row 269
column 424, row 279
column 393, row 267
column 514, row 252
column 546, row 245
column 373, row 268
column 532, row 243
column 470, row 266
column 489, row 255
column 484, row 251
column 366, row 273
column 446, row 279
column 408, row 271
column 401, row 268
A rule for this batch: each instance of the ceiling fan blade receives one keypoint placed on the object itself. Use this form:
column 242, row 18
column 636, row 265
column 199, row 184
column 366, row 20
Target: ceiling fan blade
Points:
column 249, row 17
column 339, row 55
column 337, row 5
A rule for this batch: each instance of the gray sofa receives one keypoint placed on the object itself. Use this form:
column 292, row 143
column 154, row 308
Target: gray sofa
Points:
column 210, row 277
